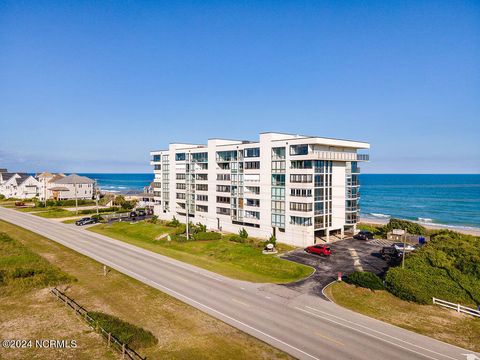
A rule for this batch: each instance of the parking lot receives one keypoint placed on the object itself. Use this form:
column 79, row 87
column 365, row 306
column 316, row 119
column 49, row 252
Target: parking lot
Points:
column 347, row 256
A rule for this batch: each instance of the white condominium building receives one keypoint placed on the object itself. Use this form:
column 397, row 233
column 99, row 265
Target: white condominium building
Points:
column 302, row 189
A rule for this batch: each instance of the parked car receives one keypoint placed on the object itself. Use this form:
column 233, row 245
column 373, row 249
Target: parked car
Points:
column 363, row 235
column 141, row 213
column 133, row 214
column 86, row 221
column 399, row 247
column 390, row 253
column 319, row 250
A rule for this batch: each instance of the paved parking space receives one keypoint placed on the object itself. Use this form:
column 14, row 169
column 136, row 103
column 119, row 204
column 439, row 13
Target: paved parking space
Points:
column 347, row 256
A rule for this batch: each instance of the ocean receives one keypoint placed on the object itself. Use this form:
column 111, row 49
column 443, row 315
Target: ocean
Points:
column 436, row 199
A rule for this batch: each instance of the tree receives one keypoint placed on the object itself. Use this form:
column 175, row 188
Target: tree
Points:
column 243, row 233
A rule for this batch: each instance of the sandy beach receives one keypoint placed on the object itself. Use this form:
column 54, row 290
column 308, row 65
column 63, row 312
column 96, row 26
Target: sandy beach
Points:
column 468, row 231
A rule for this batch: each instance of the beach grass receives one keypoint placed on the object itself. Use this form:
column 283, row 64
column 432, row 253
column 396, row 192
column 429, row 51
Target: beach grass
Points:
column 430, row 320
column 183, row 332
column 236, row 260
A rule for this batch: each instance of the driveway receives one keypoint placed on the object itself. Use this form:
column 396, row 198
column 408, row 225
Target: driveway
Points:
column 348, row 255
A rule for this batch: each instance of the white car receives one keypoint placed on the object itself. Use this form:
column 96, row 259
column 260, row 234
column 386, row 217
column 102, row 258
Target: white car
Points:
column 408, row 247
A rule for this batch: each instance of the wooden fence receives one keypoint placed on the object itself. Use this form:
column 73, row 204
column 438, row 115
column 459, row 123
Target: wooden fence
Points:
column 457, row 307
column 122, row 348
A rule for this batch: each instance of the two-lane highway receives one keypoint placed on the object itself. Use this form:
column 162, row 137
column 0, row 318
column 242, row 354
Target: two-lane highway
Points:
column 304, row 326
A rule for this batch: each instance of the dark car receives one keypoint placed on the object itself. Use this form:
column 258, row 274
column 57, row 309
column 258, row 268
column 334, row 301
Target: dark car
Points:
column 319, row 250
column 141, row 213
column 86, row 221
column 363, row 235
column 390, row 253
column 133, row 214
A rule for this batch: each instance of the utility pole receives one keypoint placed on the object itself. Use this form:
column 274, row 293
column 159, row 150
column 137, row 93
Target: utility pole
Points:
column 96, row 194
column 404, row 246
column 44, row 190
column 187, row 199
column 76, row 198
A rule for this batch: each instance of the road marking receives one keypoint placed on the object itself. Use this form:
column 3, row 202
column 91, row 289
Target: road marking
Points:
column 356, row 260
column 376, row 331
column 329, row 338
column 239, row 302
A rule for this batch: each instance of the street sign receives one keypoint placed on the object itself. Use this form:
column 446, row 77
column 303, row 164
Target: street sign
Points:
column 398, row 232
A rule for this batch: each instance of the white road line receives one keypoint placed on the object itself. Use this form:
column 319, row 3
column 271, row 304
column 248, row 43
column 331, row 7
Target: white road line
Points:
column 379, row 332
column 365, row 333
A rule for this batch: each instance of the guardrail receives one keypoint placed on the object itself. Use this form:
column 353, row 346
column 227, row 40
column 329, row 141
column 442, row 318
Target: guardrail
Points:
column 457, row 307
column 122, row 348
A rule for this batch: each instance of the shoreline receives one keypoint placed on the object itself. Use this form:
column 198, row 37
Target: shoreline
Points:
column 468, row 231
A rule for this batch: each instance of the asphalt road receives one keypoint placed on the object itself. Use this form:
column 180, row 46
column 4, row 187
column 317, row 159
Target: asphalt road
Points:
column 347, row 256
column 302, row 325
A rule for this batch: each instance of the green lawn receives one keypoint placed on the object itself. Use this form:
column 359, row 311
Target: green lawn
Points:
column 238, row 261
column 430, row 320
column 55, row 213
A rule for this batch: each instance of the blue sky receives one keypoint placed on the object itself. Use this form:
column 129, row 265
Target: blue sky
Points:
column 93, row 86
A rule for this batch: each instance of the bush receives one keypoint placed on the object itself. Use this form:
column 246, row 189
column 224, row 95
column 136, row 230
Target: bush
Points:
column 207, row 236
column 447, row 267
column 20, row 273
column 173, row 223
column 272, row 240
column 2, row 197
column 133, row 336
column 236, row 238
column 243, row 233
column 365, row 279
column 154, row 219
column 98, row 217
column 411, row 227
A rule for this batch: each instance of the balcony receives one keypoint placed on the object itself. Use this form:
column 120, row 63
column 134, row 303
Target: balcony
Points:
column 338, row 155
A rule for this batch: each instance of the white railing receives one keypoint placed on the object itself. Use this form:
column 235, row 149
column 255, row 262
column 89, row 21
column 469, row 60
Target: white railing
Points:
column 457, row 307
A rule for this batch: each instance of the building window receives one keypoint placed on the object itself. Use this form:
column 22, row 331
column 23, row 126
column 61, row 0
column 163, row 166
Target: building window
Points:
column 201, row 177
column 223, row 156
column 278, row 193
column 181, row 186
column 157, row 158
column 200, row 157
column 157, row 167
column 223, row 211
column 278, row 207
column 278, row 180
column 180, row 157
column 252, row 152
column 301, row 192
column 180, row 176
column 278, row 220
column 223, row 188
column 299, row 149
column 278, row 153
column 202, row 208
column 202, row 197
column 302, row 164
column 252, row 189
column 201, row 187
column 252, row 202
column 300, row 178
column 249, row 214
column 299, row 220
column 278, row 166
column 296, row 206
column 223, row 200
column 223, row 177
column 252, row 165
column 180, row 196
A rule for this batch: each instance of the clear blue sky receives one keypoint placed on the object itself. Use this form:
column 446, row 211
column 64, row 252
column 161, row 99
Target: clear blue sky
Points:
column 93, row 86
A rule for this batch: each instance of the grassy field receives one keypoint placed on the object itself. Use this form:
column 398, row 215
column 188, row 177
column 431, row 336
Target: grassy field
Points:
column 235, row 260
column 28, row 311
column 182, row 331
column 434, row 321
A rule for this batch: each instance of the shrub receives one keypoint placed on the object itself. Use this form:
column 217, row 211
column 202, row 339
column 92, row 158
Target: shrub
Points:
column 3, row 275
column 154, row 219
column 411, row 227
column 2, row 197
column 20, row 273
column 173, row 223
column 207, row 236
column 243, row 233
column 447, row 267
column 98, row 217
column 365, row 279
column 127, row 333
column 236, row 238
column 272, row 240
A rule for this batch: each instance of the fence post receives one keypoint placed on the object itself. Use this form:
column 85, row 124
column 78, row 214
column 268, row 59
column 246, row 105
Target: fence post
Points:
column 123, row 351
column 433, row 300
column 458, row 307
column 109, row 339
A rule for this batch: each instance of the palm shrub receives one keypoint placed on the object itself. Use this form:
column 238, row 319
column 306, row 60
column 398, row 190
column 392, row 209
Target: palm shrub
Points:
column 243, row 233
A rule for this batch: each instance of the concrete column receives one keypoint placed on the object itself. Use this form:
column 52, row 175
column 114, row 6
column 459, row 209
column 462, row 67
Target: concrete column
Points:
column 328, row 234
